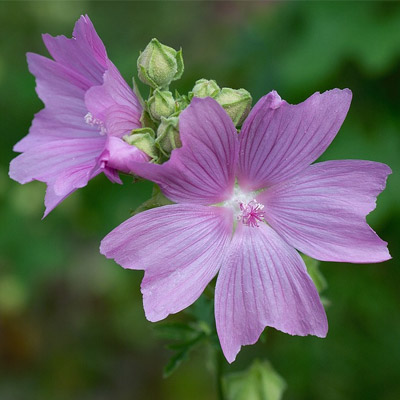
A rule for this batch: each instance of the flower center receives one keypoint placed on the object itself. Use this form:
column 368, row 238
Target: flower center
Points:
column 92, row 121
column 246, row 208
column 251, row 213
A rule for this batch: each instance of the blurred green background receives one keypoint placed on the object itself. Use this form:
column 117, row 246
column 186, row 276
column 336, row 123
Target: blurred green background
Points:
column 71, row 322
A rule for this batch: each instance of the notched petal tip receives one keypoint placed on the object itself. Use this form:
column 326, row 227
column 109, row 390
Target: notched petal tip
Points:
column 275, row 100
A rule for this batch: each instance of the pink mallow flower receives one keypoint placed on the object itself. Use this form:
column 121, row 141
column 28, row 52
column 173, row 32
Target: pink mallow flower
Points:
column 245, row 203
column 88, row 108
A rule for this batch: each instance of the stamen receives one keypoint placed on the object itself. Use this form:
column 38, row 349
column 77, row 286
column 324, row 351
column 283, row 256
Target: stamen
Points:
column 92, row 121
column 251, row 213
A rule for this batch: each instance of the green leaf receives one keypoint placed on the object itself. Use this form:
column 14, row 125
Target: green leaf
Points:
column 175, row 361
column 176, row 331
column 315, row 274
column 259, row 382
column 182, row 354
column 202, row 310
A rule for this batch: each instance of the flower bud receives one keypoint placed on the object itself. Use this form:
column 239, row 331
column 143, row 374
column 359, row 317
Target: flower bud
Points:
column 205, row 88
column 161, row 104
column 168, row 135
column 159, row 65
column 143, row 139
column 236, row 102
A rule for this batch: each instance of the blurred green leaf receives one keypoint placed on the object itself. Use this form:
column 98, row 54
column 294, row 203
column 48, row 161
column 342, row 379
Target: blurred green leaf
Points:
column 175, row 331
column 203, row 310
column 259, row 382
column 314, row 272
column 182, row 354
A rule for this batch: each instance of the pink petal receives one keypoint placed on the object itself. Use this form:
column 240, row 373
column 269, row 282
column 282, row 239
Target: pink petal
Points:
column 84, row 53
column 264, row 282
column 322, row 210
column 202, row 170
column 181, row 248
column 63, row 93
column 114, row 103
column 278, row 140
column 119, row 155
column 64, row 164
column 52, row 200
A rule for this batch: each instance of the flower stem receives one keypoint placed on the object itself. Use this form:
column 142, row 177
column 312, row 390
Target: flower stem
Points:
column 219, row 373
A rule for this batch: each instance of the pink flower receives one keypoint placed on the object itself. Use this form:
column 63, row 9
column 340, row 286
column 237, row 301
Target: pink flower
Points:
column 245, row 203
column 88, row 108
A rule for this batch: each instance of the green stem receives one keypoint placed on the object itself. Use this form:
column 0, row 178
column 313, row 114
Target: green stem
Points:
column 219, row 372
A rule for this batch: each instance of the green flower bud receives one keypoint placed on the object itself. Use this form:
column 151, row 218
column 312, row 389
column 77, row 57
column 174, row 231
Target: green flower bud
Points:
column 143, row 139
column 168, row 135
column 159, row 65
column 161, row 104
column 205, row 88
column 236, row 102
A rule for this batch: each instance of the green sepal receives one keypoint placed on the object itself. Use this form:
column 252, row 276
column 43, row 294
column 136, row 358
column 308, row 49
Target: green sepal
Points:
column 147, row 121
column 182, row 101
column 145, row 77
column 137, row 93
column 179, row 64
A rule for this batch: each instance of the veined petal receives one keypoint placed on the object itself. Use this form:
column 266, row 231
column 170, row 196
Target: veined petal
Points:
column 52, row 200
column 202, row 170
column 64, row 164
column 322, row 211
column 83, row 53
column 114, row 103
column 119, row 155
column 180, row 246
column 62, row 91
column 278, row 140
column 264, row 282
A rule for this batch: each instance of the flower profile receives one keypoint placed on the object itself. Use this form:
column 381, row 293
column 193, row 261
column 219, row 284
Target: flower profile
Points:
column 88, row 109
column 244, row 204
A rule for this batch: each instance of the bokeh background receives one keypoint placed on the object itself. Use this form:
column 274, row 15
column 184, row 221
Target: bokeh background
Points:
column 71, row 322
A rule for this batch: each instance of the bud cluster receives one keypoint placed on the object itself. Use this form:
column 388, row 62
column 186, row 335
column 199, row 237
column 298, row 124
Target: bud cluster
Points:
column 158, row 66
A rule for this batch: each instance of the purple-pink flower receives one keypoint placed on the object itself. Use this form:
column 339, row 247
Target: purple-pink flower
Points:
column 244, row 204
column 88, row 108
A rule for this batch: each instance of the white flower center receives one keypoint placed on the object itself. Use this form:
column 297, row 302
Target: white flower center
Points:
column 92, row 121
column 246, row 208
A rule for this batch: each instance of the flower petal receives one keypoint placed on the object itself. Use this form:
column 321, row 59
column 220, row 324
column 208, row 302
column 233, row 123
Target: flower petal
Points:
column 202, row 171
column 64, row 164
column 180, row 246
column 52, row 200
column 322, row 211
column 84, row 53
column 264, row 282
column 278, row 140
column 63, row 93
column 114, row 103
column 119, row 155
